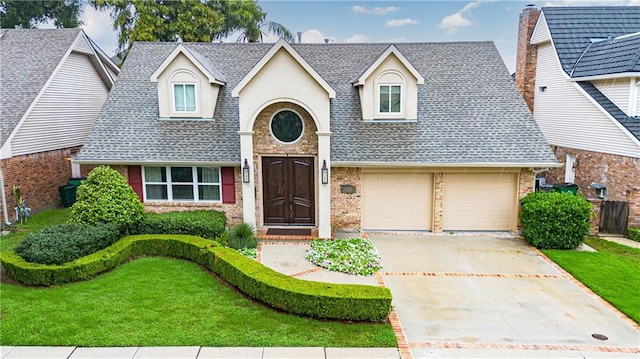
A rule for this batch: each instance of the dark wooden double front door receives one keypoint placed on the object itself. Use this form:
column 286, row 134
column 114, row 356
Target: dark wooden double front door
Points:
column 288, row 190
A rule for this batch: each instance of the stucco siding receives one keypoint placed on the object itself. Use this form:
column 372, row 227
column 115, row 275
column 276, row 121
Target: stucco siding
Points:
column 65, row 113
column 617, row 90
column 568, row 118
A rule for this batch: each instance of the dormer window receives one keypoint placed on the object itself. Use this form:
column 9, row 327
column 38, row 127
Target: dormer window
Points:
column 184, row 97
column 390, row 98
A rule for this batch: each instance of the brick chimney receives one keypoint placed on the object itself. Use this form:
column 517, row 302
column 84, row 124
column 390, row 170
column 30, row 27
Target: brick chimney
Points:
column 527, row 55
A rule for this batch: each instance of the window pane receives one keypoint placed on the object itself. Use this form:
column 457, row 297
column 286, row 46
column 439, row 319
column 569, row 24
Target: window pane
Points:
column 209, row 193
column 395, row 99
column 156, row 191
column 178, row 97
column 181, row 174
column 182, row 192
column 155, row 174
column 190, row 95
column 208, row 175
column 384, row 98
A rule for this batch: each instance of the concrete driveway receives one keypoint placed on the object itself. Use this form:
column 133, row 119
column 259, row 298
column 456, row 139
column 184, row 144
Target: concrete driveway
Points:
column 494, row 296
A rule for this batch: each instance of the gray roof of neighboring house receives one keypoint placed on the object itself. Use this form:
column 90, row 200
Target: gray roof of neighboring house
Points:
column 573, row 28
column 614, row 56
column 27, row 59
column 469, row 109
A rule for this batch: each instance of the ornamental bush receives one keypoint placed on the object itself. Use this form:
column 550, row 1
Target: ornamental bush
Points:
column 67, row 242
column 105, row 197
column 553, row 220
column 205, row 224
column 634, row 234
column 350, row 255
column 242, row 235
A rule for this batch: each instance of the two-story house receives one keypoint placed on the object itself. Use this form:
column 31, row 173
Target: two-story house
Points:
column 578, row 69
column 53, row 83
column 409, row 136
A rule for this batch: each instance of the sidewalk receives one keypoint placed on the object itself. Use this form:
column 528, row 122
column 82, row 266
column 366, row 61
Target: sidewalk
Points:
column 7, row 352
column 622, row 240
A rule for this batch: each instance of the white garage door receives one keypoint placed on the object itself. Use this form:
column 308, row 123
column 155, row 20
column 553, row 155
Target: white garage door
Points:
column 479, row 202
column 397, row 201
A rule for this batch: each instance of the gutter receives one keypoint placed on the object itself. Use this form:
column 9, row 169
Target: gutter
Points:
column 443, row 164
column 5, row 215
column 157, row 163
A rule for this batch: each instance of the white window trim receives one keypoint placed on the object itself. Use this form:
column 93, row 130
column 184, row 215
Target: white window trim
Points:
column 382, row 114
column 184, row 95
column 194, row 183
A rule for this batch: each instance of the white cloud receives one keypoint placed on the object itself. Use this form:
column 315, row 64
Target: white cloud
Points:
column 375, row 10
column 592, row 2
column 98, row 26
column 400, row 22
column 457, row 20
column 357, row 38
column 315, row 36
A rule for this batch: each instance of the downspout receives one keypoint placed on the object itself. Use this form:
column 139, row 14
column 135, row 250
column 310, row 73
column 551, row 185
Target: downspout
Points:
column 5, row 215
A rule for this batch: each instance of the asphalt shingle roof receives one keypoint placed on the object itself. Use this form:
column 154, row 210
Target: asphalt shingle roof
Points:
column 27, row 60
column 573, row 28
column 469, row 110
column 607, row 57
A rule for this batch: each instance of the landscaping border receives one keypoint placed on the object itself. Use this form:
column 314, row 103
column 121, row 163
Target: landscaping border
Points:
column 315, row 299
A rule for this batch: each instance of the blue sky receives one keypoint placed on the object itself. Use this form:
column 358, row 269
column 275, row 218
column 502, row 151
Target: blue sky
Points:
column 383, row 21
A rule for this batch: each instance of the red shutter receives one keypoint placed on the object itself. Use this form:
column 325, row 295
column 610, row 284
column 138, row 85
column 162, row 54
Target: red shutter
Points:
column 135, row 179
column 228, row 185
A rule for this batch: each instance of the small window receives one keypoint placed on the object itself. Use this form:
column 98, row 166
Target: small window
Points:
column 182, row 183
column 184, row 97
column 542, row 88
column 390, row 98
column 286, row 126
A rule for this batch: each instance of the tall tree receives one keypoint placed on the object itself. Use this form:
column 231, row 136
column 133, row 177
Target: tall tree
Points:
column 186, row 20
column 29, row 14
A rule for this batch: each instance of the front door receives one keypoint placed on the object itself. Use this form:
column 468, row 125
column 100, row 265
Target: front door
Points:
column 288, row 190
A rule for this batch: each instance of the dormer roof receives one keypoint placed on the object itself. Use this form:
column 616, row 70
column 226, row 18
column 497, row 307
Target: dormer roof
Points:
column 391, row 50
column 205, row 66
column 282, row 45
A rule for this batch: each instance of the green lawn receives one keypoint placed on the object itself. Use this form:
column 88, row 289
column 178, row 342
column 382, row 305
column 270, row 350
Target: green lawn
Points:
column 159, row 302
column 612, row 272
column 35, row 223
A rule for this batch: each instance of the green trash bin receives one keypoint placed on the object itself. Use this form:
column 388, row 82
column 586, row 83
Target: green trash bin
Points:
column 566, row 188
column 68, row 195
column 76, row 181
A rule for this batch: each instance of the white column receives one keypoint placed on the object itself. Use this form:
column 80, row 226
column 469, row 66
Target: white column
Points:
column 324, row 190
column 248, row 191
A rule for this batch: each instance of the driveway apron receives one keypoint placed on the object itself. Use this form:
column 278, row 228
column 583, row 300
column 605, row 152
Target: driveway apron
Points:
column 465, row 295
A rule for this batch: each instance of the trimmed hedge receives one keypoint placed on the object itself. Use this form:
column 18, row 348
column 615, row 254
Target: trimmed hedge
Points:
column 634, row 234
column 553, row 220
column 201, row 223
column 314, row 299
column 64, row 243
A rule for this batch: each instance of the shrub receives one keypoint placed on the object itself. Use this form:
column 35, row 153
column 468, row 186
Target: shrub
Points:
column 64, row 243
column 206, row 224
column 242, row 235
column 634, row 234
column 315, row 299
column 552, row 220
column 105, row 197
column 351, row 255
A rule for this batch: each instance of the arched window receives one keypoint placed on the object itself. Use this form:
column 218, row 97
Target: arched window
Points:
column 390, row 90
column 184, row 88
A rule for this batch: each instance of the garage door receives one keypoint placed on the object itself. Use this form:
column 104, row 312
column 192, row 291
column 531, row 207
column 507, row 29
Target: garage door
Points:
column 397, row 201
column 479, row 202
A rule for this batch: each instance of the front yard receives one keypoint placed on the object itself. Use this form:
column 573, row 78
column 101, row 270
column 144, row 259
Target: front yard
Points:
column 613, row 272
column 159, row 302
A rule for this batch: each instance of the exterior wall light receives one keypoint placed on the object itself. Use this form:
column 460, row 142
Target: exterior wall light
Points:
column 324, row 172
column 245, row 171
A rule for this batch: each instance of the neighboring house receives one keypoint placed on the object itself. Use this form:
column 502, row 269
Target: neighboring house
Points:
column 411, row 136
column 579, row 71
column 53, row 83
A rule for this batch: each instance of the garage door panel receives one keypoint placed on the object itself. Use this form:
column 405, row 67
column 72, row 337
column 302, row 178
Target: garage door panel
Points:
column 479, row 201
column 394, row 201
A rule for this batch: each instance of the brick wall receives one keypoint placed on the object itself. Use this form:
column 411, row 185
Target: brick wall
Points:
column 264, row 144
column 526, row 56
column 39, row 175
column 346, row 207
column 620, row 174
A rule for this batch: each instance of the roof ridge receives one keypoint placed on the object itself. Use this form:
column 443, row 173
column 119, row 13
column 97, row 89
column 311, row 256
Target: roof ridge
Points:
column 573, row 68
